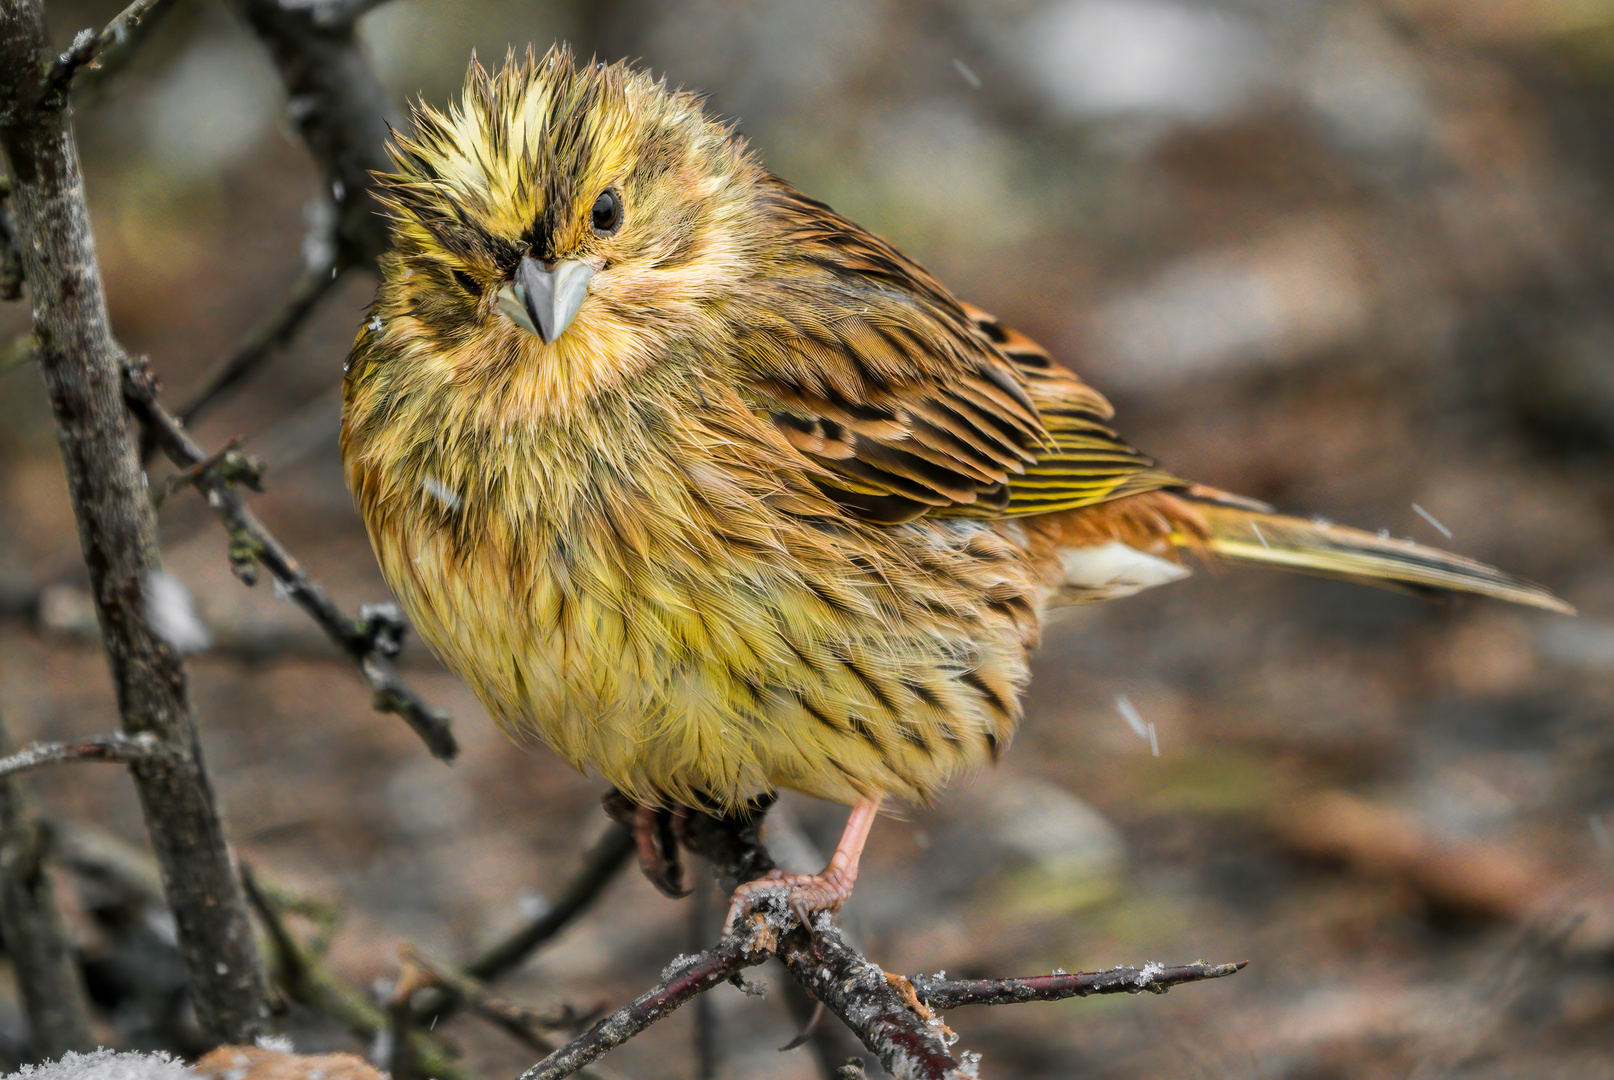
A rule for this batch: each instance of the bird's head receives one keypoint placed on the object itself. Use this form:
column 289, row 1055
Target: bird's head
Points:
column 565, row 219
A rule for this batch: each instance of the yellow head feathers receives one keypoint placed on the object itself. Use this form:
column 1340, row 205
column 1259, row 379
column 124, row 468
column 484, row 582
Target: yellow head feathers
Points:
column 516, row 165
column 570, row 222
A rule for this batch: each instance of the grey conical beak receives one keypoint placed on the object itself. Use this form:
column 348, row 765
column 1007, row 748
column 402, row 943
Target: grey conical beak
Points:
column 545, row 301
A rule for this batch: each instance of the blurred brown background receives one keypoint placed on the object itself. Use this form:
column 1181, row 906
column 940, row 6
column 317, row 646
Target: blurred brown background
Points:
column 1342, row 256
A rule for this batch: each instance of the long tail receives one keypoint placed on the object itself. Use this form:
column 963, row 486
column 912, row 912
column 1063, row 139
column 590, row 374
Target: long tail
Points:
column 1246, row 531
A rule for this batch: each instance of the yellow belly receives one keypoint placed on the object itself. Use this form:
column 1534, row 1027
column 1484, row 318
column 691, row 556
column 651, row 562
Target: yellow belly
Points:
column 879, row 661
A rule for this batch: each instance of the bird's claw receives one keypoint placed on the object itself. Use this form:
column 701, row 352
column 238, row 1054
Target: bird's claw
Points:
column 805, row 895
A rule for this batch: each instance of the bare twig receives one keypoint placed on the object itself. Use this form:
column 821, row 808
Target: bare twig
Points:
column 112, row 58
column 276, row 333
column 118, row 748
column 600, row 867
column 940, row 993
column 89, row 47
column 41, row 955
column 81, row 365
column 750, row 944
column 708, row 1047
column 891, row 1015
column 528, row 1026
column 303, row 978
column 368, row 640
column 340, row 109
column 231, row 467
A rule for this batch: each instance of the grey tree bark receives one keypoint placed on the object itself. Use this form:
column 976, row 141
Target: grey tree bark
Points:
column 82, row 366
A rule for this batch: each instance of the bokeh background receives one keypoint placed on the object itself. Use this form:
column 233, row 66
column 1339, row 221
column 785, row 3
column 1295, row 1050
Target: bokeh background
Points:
column 1342, row 255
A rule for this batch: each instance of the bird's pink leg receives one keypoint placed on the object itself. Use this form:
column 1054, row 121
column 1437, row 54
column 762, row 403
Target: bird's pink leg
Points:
column 807, row 894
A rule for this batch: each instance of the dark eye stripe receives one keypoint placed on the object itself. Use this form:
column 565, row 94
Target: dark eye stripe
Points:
column 467, row 282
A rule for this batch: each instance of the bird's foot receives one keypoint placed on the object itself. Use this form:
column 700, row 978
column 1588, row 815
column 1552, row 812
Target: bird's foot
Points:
column 656, row 833
column 804, row 894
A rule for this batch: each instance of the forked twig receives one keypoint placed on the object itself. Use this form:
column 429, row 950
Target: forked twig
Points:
column 367, row 641
column 894, row 1017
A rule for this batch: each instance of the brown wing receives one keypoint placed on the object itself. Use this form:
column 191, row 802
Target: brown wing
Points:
column 1088, row 462
column 909, row 401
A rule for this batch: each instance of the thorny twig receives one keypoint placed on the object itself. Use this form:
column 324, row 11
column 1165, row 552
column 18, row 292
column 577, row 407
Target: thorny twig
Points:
column 118, row 747
column 368, row 640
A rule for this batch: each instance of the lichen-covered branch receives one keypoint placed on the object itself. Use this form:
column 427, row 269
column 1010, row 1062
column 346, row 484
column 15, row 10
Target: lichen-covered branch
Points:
column 118, row 748
column 750, row 944
column 82, row 368
column 894, row 1017
column 369, row 640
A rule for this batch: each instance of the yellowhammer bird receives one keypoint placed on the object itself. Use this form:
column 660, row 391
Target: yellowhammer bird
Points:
column 716, row 492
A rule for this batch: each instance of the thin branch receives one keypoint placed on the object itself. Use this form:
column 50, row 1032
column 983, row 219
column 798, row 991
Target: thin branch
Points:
column 88, row 48
column 276, row 333
column 685, row 977
column 41, row 954
column 81, row 365
column 303, row 978
column 527, row 1026
column 892, row 1016
column 368, row 640
column 113, row 57
column 232, row 467
column 600, row 867
column 940, row 993
column 708, row 1045
column 878, row 1008
column 118, row 748
column 340, row 110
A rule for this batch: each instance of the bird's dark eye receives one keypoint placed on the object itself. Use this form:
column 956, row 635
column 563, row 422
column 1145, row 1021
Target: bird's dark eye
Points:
column 467, row 282
column 607, row 213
